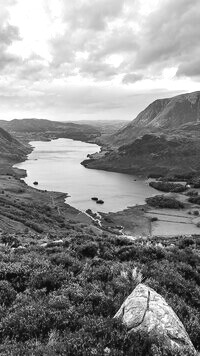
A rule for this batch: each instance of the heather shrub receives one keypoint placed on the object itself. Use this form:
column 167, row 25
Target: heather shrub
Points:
column 62, row 302
column 89, row 249
column 7, row 293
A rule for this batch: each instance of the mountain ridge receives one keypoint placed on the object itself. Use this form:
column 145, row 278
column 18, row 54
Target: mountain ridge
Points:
column 161, row 115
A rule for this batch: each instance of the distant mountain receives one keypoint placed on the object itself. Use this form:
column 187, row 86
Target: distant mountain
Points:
column 27, row 125
column 160, row 116
column 105, row 126
column 30, row 129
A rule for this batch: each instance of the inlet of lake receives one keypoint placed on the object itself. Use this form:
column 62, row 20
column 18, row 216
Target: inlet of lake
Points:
column 55, row 165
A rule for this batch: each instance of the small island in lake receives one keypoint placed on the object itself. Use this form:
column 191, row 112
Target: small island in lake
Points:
column 100, row 201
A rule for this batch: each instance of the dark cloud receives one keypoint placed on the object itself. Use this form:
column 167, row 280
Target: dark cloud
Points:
column 132, row 78
column 190, row 69
column 170, row 35
column 8, row 34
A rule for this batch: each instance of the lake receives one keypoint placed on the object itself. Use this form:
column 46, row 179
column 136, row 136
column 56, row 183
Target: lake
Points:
column 55, row 165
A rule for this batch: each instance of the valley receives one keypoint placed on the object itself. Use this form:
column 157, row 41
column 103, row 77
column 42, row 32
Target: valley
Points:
column 164, row 150
column 64, row 274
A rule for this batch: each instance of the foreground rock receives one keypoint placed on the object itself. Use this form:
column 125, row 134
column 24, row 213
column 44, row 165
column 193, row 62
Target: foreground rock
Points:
column 146, row 312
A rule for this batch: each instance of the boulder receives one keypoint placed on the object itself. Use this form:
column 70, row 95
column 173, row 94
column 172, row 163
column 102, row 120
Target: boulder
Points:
column 147, row 313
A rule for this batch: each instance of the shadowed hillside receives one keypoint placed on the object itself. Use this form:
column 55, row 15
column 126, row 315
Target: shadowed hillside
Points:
column 11, row 151
column 162, row 115
column 163, row 139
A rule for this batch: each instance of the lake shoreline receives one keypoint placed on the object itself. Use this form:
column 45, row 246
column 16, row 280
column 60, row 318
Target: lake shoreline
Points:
column 117, row 190
column 61, row 197
column 135, row 220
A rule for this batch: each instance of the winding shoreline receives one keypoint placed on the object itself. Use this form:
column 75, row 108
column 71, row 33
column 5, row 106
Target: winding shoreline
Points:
column 134, row 220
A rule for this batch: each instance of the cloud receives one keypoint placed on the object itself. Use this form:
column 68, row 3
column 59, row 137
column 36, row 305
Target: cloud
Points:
column 190, row 69
column 93, row 15
column 132, row 78
column 8, row 35
column 169, row 36
column 86, row 35
column 32, row 71
column 97, row 70
column 97, row 30
column 165, row 36
column 71, row 55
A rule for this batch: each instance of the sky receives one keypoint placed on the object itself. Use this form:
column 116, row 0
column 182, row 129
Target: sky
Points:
column 95, row 59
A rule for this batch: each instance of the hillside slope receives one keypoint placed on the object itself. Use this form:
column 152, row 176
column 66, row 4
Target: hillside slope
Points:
column 162, row 115
column 11, row 151
column 163, row 139
column 31, row 129
column 10, row 148
column 151, row 154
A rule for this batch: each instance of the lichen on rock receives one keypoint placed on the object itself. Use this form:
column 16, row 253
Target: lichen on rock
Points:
column 146, row 312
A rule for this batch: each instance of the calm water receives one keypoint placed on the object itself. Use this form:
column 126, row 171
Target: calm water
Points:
column 56, row 166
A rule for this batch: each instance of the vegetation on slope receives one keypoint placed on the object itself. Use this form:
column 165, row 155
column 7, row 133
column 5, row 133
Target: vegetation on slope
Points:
column 61, row 300
column 162, row 201
column 150, row 154
column 177, row 113
column 168, row 187
column 40, row 129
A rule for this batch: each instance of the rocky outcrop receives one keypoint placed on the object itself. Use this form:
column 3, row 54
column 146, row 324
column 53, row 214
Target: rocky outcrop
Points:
column 146, row 312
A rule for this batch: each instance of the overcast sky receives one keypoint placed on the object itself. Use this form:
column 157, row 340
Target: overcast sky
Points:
column 95, row 59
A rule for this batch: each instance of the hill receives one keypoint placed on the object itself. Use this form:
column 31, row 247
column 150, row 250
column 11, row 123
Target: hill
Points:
column 162, row 115
column 163, row 139
column 32, row 129
column 151, row 155
column 11, row 150
column 105, row 126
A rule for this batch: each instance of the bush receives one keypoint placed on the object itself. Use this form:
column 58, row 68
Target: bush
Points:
column 16, row 273
column 161, row 201
column 7, row 293
column 27, row 322
column 168, row 187
column 89, row 249
column 154, row 219
column 50, row 279
column 191, row 193
column 196, row 183
column 196, row 212
column 194, row 200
